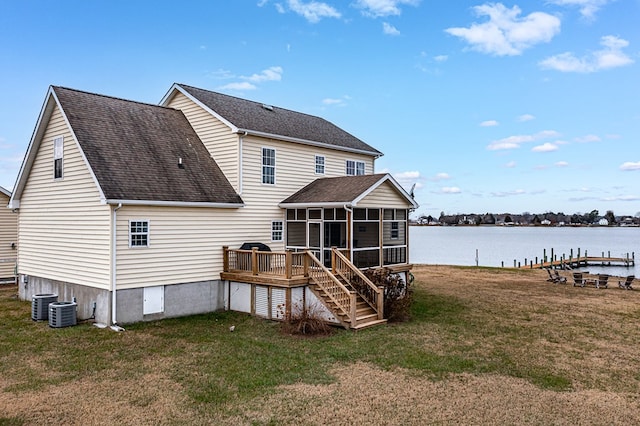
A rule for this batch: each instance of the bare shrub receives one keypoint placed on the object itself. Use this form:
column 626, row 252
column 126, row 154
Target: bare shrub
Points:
column 306, row 321
column 398, row 294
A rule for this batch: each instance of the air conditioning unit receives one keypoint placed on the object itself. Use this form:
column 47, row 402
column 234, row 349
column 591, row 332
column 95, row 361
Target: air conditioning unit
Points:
column 62, row 314
column 40, row 306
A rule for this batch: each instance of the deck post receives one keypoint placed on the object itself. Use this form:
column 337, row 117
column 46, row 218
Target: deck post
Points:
column 254, row 260
column 225, row 258
column 354, row 320
column 333, row 260
column 380, row 302
column 306, row 264
column 288, row 264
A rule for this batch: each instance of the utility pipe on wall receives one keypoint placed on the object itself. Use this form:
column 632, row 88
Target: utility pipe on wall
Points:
column 113, row 263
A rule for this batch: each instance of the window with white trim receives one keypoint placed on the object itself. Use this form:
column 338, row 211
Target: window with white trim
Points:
column 138, row 233
column 268, row 166
column 355, row 168
column 58, row 155
column 319, row 164
column 277, row 228
column 395, row 230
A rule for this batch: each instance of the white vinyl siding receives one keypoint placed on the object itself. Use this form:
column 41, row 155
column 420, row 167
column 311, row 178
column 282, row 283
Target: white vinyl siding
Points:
column 8, row 235
column 384, row 196
column 64, row 229
column 215, row 135
column 186, row 244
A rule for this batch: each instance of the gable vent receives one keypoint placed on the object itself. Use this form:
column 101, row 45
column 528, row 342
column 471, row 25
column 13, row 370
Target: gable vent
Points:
column 267, row 107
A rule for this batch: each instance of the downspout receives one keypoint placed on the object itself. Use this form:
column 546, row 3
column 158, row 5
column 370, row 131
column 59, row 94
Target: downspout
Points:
column 114, row 241
column 240, row 148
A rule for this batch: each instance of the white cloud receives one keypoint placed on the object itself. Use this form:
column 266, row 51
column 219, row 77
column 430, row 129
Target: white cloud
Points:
column 622, row 198
column 270, row 74
column 513, row 142
column 561, row 164
column 611, row 56
column 249, row 83
column 588, row 8
column 506, row 33
column 510, row 164
column 451, row 190
column 313, row 11
column 526, row 117
column 441, row 176
column 545, row 147
column 628, row 166
column 509, row 193
column 331, row 101
column 588, row 138
column 407, row 175
column 489, row 123
column 441, row 58
column 380, row 8
column 244, row 85
column 389, row 29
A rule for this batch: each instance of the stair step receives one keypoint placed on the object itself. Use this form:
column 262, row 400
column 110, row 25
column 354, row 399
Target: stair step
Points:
column 368, row 324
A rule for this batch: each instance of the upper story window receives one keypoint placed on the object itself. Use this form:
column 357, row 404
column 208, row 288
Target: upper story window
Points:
column 319, row 164
column 58, row 155
column 268, row 166
column 355, row 168
column 138, row 233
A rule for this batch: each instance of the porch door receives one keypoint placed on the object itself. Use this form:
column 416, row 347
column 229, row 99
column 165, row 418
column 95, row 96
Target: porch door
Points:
column 314, row 234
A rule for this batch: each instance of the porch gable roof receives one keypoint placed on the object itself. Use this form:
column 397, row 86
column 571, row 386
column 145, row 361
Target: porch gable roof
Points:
column 342, row 191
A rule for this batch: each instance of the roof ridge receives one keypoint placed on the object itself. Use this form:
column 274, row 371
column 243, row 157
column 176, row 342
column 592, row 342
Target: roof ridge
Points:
column 112, row 97
column 255, row 102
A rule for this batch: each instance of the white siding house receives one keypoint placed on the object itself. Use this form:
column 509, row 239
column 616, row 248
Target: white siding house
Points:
column 131, row 208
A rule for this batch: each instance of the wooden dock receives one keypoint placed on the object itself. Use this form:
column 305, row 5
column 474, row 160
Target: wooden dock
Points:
column 571, row 261
column 579, row 262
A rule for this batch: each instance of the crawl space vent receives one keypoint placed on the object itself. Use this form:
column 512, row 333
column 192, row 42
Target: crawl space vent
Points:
column 62, row 314
column 40, row 306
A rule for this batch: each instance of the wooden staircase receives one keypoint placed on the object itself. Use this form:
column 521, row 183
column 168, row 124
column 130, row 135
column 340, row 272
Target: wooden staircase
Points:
column 339, row 294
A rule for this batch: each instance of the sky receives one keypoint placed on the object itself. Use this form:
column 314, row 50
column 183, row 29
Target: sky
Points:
column 502, row 107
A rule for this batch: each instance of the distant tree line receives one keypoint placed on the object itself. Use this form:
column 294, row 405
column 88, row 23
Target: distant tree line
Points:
column 529, row 219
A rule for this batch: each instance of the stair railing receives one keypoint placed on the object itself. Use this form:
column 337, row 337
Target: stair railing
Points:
column 373, row 295
column 343, row 299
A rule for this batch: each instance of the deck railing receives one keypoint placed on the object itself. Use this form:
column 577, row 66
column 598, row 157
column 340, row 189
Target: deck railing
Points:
column 373, row 295
column 281, row 264
column 343, row 298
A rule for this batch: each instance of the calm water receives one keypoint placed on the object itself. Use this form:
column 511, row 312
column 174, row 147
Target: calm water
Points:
column 456, row 245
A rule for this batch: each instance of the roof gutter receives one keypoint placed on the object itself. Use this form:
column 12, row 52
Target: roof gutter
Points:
column 320, row 204
column 246, row 132
column 173, row 203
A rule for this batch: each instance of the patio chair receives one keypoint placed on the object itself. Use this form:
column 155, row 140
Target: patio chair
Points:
column 578, row 281
column 626, row 284
column 559, row 279
column 602, row 281
column 551, row 279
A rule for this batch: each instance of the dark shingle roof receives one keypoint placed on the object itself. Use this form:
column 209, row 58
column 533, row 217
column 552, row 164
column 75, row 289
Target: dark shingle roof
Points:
column 133, row 150
column 253, row 116
column 343, row 189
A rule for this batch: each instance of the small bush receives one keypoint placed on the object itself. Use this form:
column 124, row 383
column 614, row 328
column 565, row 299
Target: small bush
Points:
column 398, row 294
column 306, row 321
